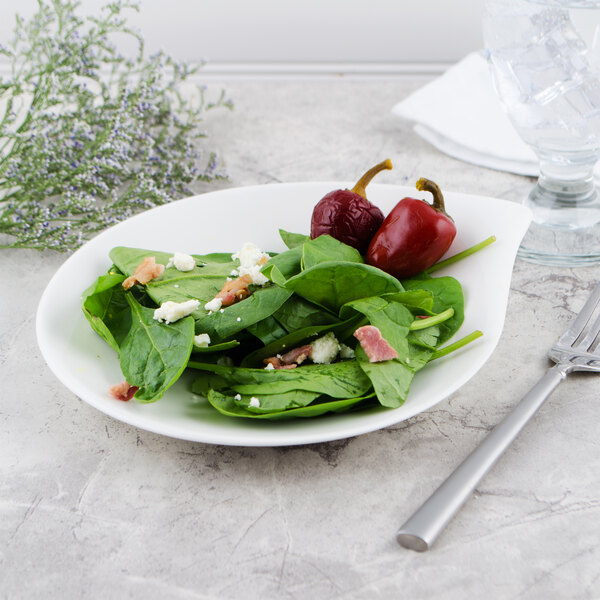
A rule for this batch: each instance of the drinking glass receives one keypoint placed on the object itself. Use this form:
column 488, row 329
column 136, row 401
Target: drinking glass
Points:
column 545, row 60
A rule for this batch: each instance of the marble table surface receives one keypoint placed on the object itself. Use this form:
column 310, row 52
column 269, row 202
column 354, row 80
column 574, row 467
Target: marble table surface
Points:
column 91, row 507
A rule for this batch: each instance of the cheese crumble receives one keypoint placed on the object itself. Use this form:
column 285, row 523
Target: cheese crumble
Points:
column 170, row 311
column 325, row 349
column 202, row 340
column 182, row 262
column 214, row 305
column 252, row 259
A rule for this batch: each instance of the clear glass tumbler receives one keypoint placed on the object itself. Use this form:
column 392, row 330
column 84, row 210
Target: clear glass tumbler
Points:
column 545, row 59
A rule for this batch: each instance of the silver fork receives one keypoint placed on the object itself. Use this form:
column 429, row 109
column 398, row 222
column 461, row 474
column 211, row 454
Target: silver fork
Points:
column 574, row 351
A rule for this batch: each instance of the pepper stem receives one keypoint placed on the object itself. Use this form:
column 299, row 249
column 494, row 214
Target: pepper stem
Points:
column 426, row 185
column 363, row 182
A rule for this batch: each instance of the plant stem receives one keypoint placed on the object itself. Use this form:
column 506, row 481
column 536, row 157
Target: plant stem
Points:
column 461, row 255
column 433, row 320
column 456, row 345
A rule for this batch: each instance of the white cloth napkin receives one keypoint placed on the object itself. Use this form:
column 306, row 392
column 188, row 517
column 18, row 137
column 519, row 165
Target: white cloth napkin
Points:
column 460, row 114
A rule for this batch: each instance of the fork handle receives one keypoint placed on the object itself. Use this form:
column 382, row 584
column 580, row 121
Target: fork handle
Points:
column 423, row 528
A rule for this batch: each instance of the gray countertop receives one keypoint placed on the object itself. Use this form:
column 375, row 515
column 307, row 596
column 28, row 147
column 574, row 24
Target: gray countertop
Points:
column 93, row 508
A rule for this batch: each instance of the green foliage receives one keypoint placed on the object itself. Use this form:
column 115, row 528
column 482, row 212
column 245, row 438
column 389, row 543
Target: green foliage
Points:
column 317, row 287
column 88, row 136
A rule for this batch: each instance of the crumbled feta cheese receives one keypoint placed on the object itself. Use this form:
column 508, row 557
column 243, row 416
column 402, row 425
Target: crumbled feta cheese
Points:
column 325, row 349
column 182, row 262
column 237, row 397
column 202, row 340
column 170, row 311
column 254, row 402
column 254, row 271
column 235, row 272
column 269, row 367
column 252, row 259
column 250, row 254
column 176, row 285
column 239, row 319
column 222, row 310
column 346, row 351
column 214, row 305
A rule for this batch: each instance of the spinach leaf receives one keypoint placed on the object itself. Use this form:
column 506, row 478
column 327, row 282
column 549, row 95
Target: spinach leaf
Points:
column 298, row 313
column 276, row 402
column 292, row 240
column 221, row 347
column 391, row 318
column 153, row 354
column 258, row 306
column 391, row 379
column 334, row 283
column 106, row 309
column 326, row 248
column 202, row 283
column 419, row 301
column 268, row 330
column 287, row 263
column 339, row 380
column 226, row 405
column 422, row 344
column 447, row 293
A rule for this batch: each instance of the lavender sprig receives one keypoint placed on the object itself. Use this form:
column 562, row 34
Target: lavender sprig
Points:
column 89, row 137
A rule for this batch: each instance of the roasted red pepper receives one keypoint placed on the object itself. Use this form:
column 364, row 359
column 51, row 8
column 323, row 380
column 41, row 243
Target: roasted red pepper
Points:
column 414, row 236
column 347, row 215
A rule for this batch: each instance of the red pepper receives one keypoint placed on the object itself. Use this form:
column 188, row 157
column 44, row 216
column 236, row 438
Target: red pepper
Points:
column 347, row 215
column 414, row 235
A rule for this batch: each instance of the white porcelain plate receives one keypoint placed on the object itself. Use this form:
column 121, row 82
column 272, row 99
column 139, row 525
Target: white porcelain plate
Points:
column 223, row 221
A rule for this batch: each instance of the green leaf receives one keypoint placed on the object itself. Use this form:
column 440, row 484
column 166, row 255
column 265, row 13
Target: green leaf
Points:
column 221, row 347
column 106, row 309
column 339, row 380
column 276, row 402
column 391, row 318
column 418, row 300
column 202, row 283
column 298, row 313
column 447, row 293
column 286, row 263
column 390, row 378
column 227, row 406
column 293, row 240
column 326, row 248
column 262, row 303
column 267, row 331
column 332, row 284
column 154, row 354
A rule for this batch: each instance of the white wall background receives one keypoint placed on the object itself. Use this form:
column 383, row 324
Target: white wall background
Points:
column 242, row 31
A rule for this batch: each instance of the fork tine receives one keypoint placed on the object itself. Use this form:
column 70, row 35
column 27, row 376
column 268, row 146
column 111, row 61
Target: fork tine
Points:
column 578, row 325
column 590, row 336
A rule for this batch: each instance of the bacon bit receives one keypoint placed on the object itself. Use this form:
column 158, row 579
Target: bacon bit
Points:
column 123, row 391
column 291, row 359
column 376, row 347
column 278, row 363
column 146, row 271
column 422, row 316
column 297, row 355
column 234, row 290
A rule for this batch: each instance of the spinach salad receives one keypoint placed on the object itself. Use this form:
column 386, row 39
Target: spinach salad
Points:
column 318, row 289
